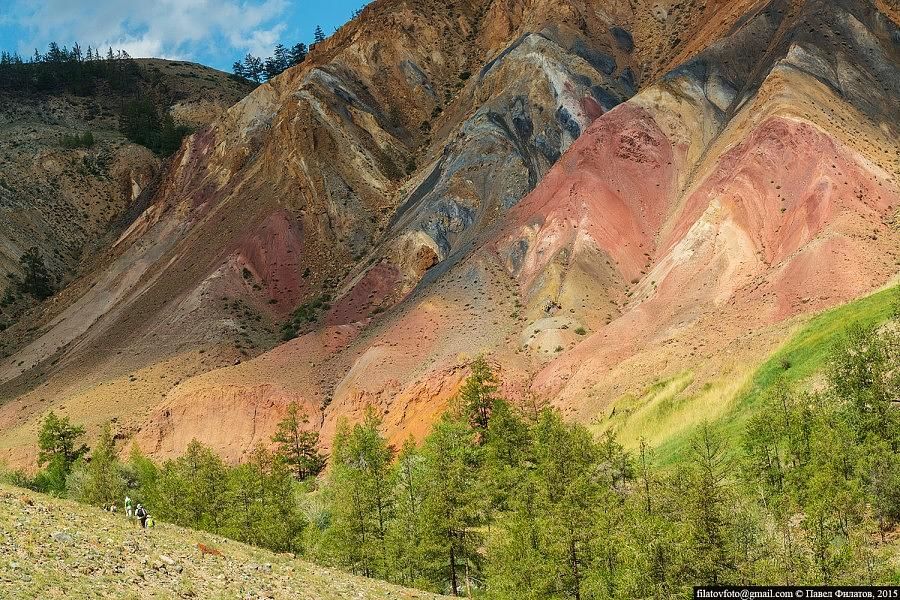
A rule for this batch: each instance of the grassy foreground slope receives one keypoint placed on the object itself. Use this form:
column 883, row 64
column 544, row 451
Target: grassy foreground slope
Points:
column 57, row 548
column 666, row 414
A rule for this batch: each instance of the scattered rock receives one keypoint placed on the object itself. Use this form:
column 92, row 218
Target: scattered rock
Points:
column 62, row 537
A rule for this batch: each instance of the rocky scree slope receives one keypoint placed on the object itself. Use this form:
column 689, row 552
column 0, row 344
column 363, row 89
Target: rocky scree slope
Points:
column 57, row 548
column 594, row 198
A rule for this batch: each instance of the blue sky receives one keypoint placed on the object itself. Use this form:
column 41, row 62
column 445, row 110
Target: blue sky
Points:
column 211, row 32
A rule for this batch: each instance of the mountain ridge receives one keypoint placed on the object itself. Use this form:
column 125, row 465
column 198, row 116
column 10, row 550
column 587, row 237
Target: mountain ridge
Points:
column 552, row 192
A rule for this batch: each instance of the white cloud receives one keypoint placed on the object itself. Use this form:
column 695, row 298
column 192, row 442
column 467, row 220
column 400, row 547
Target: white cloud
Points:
column 162, row 28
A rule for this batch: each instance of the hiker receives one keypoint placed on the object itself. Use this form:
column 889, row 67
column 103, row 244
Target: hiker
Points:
column 151, row 522
column 142, row 514
column 129, row 511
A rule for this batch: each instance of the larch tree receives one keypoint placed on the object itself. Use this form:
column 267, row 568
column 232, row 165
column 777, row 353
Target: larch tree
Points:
column 405, row 529
column 36, row 278
column 453, row 507
column 362, row 487
column 478, row 395
column 103, row 484
column 298, row 446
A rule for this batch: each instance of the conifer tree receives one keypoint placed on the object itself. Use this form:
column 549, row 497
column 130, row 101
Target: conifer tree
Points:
column 245, row 488
column 36, row 278
column 405, row 528
column 707, row 509
column 864, row 378
column 507, row 449
column 253, row 67
column 281, row 57
column 58, row 448
column 205, row 474
column 279, row 521
column 298, row 53
column 362, row 487
column 271, row 68
column 101, row 482
column 142, row 476
column 478, row 394
column 298, row 447
column 54, row 54
column 453, row 505
column 319, row 35
column 549, row 542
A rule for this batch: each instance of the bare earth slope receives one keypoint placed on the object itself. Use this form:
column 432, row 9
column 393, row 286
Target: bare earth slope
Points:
column 61, row 549
column 599, row 200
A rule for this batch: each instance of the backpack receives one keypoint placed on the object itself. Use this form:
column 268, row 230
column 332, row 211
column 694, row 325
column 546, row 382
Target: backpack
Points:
column 150, row 521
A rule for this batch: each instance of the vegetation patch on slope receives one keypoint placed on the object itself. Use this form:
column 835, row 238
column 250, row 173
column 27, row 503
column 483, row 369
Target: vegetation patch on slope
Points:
column 667, row 408
column 666, row 418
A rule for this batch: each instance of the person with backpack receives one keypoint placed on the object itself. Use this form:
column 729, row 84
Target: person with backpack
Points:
column 141, row 513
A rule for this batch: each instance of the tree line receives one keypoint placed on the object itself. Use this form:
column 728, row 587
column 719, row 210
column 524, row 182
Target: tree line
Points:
column 506, row 504
column 143, row 118
column 257, row 69
column 501, row 502
column 255, row 502
column 71, row 70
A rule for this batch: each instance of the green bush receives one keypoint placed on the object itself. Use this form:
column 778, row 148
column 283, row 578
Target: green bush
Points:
column 78, row 141
column 305, row 314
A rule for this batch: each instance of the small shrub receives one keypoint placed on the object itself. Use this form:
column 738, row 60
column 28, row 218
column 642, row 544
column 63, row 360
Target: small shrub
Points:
column 78, row 141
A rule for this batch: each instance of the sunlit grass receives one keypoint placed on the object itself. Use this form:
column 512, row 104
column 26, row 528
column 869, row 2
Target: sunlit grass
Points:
column 666, row 417
column 669, row 409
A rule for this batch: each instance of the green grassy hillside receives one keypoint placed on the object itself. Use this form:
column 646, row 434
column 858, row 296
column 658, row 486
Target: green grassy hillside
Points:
column 666, row 415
